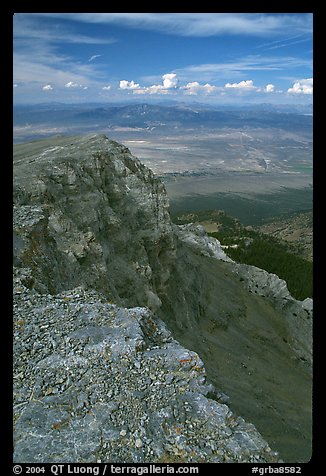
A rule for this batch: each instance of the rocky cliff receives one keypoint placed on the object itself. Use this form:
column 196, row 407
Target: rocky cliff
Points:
column 98, row 376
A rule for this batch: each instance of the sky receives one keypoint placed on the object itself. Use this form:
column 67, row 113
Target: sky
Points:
column 216, row 58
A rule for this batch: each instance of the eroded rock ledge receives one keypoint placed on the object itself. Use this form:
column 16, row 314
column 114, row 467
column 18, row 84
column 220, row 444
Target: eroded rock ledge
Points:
column 97, row 382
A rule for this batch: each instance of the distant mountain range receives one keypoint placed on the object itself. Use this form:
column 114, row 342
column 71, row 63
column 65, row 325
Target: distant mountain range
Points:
column 155, row 115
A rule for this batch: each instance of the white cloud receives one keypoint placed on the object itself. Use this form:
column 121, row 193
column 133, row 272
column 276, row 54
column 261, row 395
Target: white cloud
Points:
column 47, row 87
column 40, row 65
column 32, row 26
column 208, row 88
column 128, row 84
column 15, row 85
column 140, row 91
column 194, row 88
column 92, row 58
column 302, row 86
column 38, row 60
column 71, row 84
column 201, row 24
column 106, row 88
column 170, row 80
column 248, row 84
column 170, row 83
column 241, row 67
column 154, row 89
column 170, row 86
column 158, row 89
column 270, row 88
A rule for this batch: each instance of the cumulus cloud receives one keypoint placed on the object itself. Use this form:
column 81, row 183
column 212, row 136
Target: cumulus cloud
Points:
column 15, row 85
column 71, row 84
column 128, row 84
column 140, row 91
column 170, row 80
column 249, row 84
column 156, row 89
column 302, row 86
column 194, row 88
column 169, row 83
column 47, row 87
column 269, row 88
column 106, row 88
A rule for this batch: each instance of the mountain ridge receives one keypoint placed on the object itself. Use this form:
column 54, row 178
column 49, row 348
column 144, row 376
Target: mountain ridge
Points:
column 143, row 115
column 87, row 213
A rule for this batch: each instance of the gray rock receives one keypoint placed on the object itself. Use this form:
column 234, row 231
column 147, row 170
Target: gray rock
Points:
column 85, row 420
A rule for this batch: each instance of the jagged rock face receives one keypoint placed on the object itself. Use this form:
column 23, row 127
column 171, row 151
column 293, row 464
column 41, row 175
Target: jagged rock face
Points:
column 110, row 384
column 297, row 314
column 87, row 213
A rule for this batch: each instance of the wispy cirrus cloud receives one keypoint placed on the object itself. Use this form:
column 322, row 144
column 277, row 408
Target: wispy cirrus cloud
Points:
column 40, row 69
column 285, row 42
column 201, row 24
column 92, row 58
column 38, row 59
column 237, row 67
column 30, row 26
column 251, row 63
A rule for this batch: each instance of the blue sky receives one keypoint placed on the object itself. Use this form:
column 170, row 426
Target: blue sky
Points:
column 217, row 58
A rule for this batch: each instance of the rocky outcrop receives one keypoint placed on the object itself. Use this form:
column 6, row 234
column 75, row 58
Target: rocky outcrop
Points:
column 97, row 382
column 297, row 315
column 196, row 237
column 99, row 266
column 88, row 213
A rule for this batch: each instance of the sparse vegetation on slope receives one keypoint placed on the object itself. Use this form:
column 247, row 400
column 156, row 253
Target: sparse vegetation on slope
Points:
column 249, row 246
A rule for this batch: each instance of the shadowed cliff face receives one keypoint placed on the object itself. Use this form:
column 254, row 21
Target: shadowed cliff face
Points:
column 88, row 213
column 243, row 338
